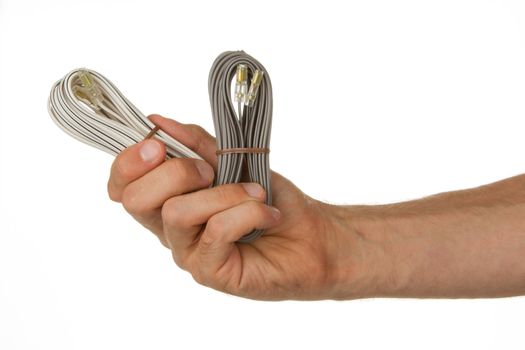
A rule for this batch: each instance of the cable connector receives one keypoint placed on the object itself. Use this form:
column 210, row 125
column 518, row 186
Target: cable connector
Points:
column 241, row 84
column 254, row 87
column 87, row 90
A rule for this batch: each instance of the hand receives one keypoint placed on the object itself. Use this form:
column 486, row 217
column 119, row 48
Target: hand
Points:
column 308, row 251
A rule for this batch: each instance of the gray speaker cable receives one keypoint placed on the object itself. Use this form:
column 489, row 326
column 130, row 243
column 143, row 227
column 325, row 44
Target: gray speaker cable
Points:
column 245, row 135
column 88, row 107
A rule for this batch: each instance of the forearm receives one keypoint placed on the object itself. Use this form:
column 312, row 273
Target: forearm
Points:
column 468, row 243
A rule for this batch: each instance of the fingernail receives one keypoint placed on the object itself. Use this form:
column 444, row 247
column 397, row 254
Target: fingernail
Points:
column 276, row 213
column 254, row 190
column 149, row 151
column 205, row 170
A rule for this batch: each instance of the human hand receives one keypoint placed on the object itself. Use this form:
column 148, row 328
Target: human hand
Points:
column 308, row 250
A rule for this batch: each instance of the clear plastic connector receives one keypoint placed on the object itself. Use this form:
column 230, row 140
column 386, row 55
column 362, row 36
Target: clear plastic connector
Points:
column 241, row 84
column 254, row 87
column 87, row 90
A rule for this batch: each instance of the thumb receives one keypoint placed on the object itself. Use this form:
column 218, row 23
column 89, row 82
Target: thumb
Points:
column 192, row 136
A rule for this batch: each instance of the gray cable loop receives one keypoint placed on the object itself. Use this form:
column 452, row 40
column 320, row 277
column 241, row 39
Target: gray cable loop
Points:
column 249, row 127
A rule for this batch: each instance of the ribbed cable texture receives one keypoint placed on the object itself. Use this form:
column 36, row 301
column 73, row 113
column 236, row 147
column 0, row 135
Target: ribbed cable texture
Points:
column 249, row 127
column 112, row 125
column 90, row 108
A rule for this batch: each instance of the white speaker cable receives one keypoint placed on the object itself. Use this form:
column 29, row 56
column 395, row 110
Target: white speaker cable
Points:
column 87, row 106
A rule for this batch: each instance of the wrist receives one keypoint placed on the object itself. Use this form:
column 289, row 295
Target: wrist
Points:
column 363, row 261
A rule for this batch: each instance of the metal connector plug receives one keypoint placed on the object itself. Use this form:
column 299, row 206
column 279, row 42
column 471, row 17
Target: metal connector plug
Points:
column 241, row 84
column 87, row 90
column 257, row 79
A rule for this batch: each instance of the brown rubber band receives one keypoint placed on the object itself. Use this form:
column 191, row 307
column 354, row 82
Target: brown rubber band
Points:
column 152, row 132
column 242, row 150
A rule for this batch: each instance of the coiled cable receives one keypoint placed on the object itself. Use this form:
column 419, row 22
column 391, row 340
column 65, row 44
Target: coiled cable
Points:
column 90, row 108
column 87, row 106
column 242, row 137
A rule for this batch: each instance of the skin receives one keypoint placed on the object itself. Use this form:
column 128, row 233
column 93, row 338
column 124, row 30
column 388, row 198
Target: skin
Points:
column 468, row 243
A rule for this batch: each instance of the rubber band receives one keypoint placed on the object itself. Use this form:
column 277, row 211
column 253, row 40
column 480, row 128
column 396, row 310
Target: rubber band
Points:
column 152, row 132
column 252, row 150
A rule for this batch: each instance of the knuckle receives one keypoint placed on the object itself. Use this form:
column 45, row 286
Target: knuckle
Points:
column 199, row 135
column 200, row 276
column 174, row 214
column 257, row 208
column 130, row 201
column 196, row 128
column 123, row 171
column 233, row 193
column 113, row 194
column 178, row 259
column 181, row 169
column 170, row 212
column 163, row 241
column 201, row 273
column 224, row 194
column 215, row 229
column 165, row 213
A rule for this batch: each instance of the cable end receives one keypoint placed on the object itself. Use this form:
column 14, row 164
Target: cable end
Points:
column 241, row 84
column 254, row 87
column 86, row 89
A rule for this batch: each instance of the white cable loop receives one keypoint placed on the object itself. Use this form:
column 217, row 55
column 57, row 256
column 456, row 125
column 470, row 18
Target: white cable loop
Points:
column 111, row 126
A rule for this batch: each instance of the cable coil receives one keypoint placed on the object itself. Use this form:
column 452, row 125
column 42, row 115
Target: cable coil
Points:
column 90, row 108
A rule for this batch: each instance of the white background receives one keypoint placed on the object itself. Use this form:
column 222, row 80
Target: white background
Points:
column 375, row 101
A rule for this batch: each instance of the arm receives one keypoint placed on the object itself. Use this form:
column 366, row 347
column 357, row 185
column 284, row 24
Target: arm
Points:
column 468, row 243
column 461, row 244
